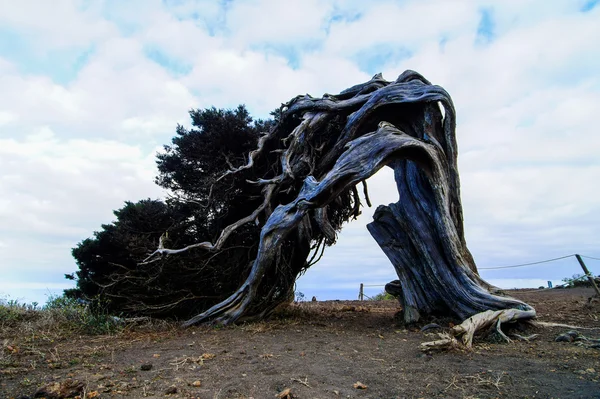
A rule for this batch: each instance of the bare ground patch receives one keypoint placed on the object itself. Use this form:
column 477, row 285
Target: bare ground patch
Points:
column 333, row 349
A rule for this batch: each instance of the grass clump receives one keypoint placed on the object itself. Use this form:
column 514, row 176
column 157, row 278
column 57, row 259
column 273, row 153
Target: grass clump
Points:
column 61, row 315
column 579, row 280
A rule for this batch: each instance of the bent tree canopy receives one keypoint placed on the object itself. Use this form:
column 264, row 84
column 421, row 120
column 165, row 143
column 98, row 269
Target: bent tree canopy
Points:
column 307, row 171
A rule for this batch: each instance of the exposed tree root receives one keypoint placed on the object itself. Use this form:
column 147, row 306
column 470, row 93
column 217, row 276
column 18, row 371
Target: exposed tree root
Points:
column 481, row 321
column 484, row 320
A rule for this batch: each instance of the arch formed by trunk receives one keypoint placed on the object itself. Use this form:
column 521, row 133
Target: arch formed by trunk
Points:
column 320, row 150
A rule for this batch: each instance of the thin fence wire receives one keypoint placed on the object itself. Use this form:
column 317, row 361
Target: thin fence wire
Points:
column 526, row 264
column 589, row 257
column 508, row 267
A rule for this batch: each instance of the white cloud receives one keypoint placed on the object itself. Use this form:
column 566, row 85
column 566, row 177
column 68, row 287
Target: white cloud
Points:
column 56, row 24
column 64, row 187
column 56, row 192
column 6, row 118
column 401, row 24
column 273, row 21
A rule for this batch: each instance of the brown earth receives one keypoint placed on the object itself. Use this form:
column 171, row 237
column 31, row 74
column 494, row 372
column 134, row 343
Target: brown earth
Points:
column 317, row 350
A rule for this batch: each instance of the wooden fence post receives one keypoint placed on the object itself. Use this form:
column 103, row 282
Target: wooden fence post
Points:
column 587, row 273
column 361, row 293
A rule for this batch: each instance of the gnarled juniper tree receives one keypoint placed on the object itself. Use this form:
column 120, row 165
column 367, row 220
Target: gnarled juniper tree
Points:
column 301, row 183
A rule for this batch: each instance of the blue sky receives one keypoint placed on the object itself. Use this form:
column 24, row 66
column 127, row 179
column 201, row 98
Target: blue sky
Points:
column 90, row 90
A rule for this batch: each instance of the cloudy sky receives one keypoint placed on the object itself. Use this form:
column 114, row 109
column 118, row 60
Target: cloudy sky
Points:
column 89, row 90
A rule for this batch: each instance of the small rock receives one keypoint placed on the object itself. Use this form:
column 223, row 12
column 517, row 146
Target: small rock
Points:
column 66, row 389
column 285, row 394
column 359, row 385
column 590, row 370
column 171, row 390
column 146, row 367
column 196, row 384
column 564, row 338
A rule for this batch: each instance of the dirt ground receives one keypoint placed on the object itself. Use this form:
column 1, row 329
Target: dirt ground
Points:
column 317, row 350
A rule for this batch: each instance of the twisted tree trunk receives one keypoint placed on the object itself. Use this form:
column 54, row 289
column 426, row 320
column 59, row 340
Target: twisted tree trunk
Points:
column 329, row 145
column 432, row 261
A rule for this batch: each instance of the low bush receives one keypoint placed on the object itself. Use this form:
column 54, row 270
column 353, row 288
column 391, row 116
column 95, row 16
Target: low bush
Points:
column 59, row 315
column 579, row 280
column 383, row 296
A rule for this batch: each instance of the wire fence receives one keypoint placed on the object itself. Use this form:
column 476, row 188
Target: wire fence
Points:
column 579, row 258
column 525, row 264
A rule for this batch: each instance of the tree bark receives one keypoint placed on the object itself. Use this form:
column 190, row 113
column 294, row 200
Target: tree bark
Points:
column 432, row 261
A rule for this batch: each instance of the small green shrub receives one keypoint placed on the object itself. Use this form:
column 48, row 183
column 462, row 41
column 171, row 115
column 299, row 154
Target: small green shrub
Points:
column 383, row 296
column 12, row 310
column 577, row 280
column 59, row 314
column 81, row 316
column 9, row 313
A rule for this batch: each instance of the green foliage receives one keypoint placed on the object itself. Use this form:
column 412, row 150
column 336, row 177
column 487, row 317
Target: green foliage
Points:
column 197, row 158
column 383, row 296
column 577, row 280
column 60, row 313
column 81, row 316
column 219, row 140
column 110, row 272
column 12, row 311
